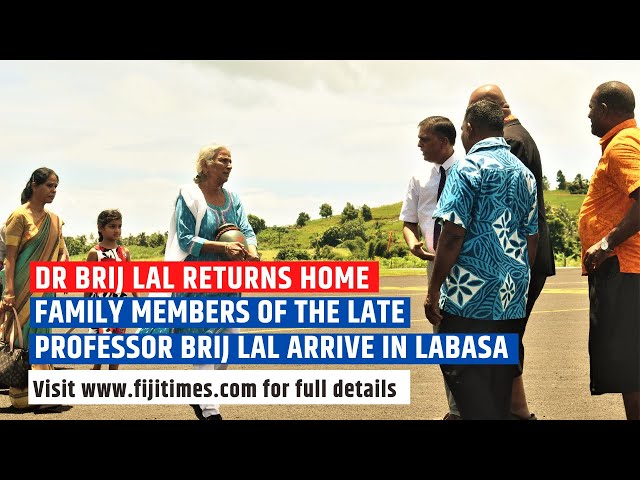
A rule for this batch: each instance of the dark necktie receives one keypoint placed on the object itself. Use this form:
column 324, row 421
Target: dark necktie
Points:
column 437, row 227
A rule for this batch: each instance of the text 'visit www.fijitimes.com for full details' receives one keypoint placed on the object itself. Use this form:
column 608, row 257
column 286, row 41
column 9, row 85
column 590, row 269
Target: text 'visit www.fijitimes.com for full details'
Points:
column 234, row 387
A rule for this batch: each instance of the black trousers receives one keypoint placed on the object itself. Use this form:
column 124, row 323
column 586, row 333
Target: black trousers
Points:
column 614, row 329
column 536, row 284
column 482, row 392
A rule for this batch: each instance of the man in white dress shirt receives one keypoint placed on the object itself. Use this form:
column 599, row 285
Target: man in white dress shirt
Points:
column 436, row 138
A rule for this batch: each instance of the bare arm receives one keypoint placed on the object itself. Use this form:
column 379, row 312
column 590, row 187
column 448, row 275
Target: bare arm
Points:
column 628, row 226
column 449, row 246
column 233, row 250
column 92, row 256
column 411, row 234
column 252, row 256
column 127, row 255
column 8, row 296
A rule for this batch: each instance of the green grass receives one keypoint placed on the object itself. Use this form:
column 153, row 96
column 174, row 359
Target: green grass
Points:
column 151, row 254
column 555, row 198
column 402, row 272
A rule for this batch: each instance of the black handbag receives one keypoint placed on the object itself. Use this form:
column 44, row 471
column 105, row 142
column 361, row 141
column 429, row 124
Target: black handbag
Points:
column 14, row 360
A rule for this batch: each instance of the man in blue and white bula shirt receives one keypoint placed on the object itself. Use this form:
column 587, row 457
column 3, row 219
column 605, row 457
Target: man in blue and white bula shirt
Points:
column 489, row 216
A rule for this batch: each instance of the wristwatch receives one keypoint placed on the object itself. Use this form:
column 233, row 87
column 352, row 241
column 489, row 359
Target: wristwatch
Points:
column 604, row 245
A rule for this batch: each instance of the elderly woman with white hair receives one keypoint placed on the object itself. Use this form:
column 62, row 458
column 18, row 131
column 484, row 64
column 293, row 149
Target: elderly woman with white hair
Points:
column 201, row 208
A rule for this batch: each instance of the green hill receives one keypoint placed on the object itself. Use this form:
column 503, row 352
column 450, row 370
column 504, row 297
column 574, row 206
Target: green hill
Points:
column 385, row 220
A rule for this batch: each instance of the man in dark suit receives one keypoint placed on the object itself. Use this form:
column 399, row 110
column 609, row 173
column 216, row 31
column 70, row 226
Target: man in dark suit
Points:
column 523, row 146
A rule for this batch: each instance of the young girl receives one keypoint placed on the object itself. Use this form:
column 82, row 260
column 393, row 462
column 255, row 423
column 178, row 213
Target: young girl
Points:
column 108, row 250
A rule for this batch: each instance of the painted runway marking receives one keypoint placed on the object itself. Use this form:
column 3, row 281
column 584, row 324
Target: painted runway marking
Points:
column 423, row 290
column 558, row 311
column 580, row 291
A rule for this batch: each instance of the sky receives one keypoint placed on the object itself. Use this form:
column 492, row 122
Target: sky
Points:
column 125, row 133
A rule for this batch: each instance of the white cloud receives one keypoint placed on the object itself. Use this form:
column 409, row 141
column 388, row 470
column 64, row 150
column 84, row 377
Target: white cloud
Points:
column 302, row 133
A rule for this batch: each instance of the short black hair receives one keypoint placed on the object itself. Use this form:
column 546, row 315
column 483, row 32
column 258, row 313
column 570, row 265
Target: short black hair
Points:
column 486, row 115
column 441, row 126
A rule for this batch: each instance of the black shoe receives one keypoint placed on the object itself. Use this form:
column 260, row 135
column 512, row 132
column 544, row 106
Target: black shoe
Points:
column 198, row 411
column 531, row 416
column 452, row 416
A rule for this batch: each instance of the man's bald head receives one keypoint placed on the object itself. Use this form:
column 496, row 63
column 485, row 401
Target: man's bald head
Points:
column 618, row 97
column 493, row 93
column 611, row 103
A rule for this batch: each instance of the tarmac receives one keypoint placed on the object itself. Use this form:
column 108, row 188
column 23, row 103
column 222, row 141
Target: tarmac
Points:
column 556, row 371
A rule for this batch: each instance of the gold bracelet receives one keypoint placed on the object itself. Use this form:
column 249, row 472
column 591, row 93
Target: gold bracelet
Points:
column 8, row 296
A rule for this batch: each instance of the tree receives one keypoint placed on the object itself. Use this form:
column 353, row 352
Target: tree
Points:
column 130, row 240
column 280, row 231
column 380, row 249
column 377, row 227
column 353, row 229
column 325, row 253
column 371, row 252
column 563, row 231
column 156, row 239
column 561, row 181
column 75, row 245
column 330, row 237
column 579, row 185
column 303, row 218
column 292, row 253
column 545, row 183
column 357, row 247
column 257, row 223
column 349, row 212
column 326, row 210
column 142, row 240
column 366, row 213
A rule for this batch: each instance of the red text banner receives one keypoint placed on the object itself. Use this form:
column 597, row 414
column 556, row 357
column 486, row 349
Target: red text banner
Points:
column 169, row 277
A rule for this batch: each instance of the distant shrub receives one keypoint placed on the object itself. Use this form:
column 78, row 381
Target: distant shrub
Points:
column 292, row 253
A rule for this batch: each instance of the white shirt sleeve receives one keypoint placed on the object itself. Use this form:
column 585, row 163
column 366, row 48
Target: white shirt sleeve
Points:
column 409, row 210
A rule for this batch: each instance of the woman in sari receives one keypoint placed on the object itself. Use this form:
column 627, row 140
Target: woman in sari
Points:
column 33, row 234
column 200, row 209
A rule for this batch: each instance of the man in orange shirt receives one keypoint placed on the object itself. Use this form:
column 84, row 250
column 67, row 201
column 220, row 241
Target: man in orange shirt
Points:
column 608, row 226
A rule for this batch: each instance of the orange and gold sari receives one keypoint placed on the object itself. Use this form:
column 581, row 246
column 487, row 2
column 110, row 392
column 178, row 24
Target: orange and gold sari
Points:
column 42, row 241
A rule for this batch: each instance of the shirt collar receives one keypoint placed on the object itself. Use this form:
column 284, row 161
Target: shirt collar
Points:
column 447, row 164
column 621, row 126
column 489, row 142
